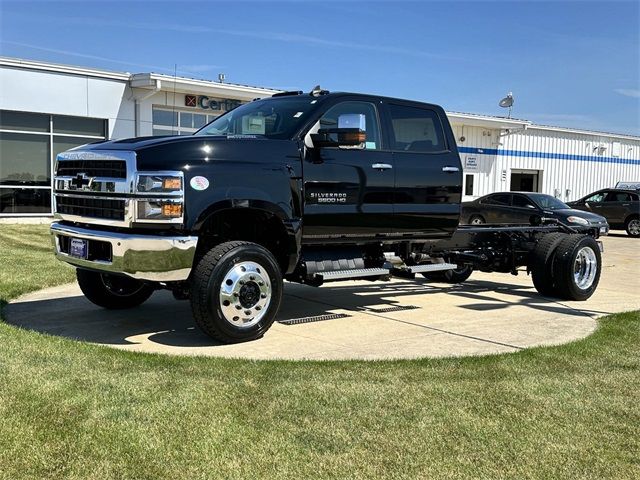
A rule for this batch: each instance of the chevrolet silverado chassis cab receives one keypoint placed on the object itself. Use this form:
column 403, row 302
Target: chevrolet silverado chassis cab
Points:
column 309, row 188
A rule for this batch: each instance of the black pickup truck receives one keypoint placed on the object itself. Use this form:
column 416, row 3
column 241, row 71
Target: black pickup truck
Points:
column 307, row 187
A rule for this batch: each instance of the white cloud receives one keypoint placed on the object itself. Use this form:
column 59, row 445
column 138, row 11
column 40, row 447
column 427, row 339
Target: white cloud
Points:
column 70, row 53
column 628, row 92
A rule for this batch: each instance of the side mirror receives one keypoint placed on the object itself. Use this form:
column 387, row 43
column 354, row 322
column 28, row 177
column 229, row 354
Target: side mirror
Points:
column 338, row 137
column 351, row 132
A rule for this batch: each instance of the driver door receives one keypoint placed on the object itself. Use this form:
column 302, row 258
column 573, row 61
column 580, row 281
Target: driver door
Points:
column 348, row 191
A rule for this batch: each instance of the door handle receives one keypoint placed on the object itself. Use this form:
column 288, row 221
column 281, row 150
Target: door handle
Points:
column 625, row 204
column 450, row 169
column 381, row 166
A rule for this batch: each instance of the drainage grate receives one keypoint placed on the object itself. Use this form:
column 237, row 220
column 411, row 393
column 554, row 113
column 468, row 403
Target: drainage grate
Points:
column 398, row 308
column 317, row 318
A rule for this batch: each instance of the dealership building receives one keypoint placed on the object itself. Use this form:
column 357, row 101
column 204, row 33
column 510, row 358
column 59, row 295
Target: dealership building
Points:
column 48, row 108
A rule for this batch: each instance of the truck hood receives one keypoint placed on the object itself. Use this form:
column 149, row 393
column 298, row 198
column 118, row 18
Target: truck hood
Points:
column 139, row 143
column 184, row 152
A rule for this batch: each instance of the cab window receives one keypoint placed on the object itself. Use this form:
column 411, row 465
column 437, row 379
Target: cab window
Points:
column 596, row 198
column 520, row 201
column 618, row 197
column 500, row 199
column 415, row 129
column 340, row 111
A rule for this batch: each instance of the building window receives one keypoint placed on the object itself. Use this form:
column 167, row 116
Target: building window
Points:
column 468, row 185
column 29, row 142
column 178, row 122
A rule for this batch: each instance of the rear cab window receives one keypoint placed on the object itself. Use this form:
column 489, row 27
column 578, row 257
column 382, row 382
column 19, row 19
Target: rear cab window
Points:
column 618, row 197
column 415, row 129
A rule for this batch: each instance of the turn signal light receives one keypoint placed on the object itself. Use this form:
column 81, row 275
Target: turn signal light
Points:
column 171, row 183
column 355, row 137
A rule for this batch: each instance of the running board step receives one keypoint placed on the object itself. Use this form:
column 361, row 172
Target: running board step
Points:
column 432, row 267
column 356, row 273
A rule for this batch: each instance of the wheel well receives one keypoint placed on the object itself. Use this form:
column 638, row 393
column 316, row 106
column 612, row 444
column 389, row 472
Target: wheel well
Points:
column 631, row 217
column 247, row 224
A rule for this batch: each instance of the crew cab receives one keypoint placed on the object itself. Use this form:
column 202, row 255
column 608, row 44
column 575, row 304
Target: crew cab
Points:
column 305, row 187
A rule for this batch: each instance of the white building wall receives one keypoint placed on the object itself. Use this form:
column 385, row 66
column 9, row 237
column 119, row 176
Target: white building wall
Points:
column 65, row 94
column 571, row 164
column 479, row 144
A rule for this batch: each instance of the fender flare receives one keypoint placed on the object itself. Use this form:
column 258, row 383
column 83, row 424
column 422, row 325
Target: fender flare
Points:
column 292, row 226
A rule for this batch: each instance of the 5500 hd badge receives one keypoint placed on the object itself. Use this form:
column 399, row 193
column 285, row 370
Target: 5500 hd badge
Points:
column 328, row 197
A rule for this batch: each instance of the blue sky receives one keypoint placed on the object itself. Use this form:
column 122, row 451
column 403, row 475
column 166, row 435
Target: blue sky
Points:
column 574, row 64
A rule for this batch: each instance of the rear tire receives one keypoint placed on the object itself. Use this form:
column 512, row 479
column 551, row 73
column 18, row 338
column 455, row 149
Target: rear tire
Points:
column 577, row 267
column 632, row 226
column 476, row 220
column 542, row 264
column 458, row 275
column 114, row 292
column 236, row 290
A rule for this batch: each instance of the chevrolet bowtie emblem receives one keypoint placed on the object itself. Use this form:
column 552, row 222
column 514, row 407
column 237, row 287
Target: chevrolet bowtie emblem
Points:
column 81, row 181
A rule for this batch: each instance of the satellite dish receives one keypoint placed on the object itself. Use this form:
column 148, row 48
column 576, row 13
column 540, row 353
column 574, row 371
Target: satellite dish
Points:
column 507, row 102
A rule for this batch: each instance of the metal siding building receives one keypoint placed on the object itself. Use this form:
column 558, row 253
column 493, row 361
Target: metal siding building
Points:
column 46, row 108
column 563, row 162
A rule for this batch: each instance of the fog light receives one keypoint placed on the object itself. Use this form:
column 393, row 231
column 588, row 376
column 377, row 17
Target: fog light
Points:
column 172, row 210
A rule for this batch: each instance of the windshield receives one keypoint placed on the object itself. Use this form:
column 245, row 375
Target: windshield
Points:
column 276, row 118
column 547, row 202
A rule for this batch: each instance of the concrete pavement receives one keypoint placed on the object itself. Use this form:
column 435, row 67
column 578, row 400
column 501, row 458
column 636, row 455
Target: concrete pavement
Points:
column 488, row 314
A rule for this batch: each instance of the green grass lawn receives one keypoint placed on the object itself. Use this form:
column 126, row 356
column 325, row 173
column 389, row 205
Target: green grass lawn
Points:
column 73, row 410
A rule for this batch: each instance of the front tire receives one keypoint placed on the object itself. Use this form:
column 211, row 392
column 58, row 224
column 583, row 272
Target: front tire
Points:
column 476, row 220
column 114, row 292
column 632, row 226
column 236, row 290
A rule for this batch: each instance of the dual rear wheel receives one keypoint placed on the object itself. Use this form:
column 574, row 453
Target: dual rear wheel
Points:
column 566, row 266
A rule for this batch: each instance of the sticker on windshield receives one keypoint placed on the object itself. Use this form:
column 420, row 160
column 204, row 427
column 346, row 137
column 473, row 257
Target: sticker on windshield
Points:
column 199, row 183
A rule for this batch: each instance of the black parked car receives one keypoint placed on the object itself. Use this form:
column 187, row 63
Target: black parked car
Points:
column 620, row 207
column 526, row 208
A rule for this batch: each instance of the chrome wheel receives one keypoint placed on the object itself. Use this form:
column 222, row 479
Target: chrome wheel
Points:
column 585, row 268
column 634, row 227
column 245, row 294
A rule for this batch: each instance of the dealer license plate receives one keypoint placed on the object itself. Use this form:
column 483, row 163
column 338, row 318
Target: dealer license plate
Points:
column 78, row 248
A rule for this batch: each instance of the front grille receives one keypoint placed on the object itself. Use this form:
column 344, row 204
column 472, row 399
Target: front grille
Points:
column 93, row 168
column 91, row 207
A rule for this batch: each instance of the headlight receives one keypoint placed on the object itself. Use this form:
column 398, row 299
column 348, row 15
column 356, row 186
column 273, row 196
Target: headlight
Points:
column 161, row 210
column 578, row 220
column 159, row 183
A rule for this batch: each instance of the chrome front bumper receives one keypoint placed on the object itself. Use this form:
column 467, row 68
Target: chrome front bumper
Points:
column 146, row 257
